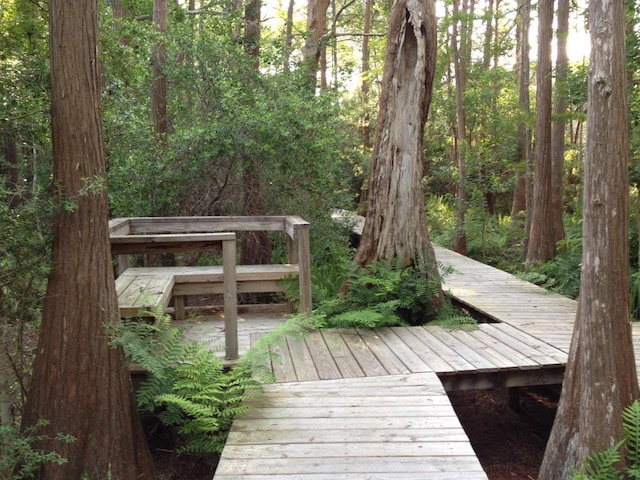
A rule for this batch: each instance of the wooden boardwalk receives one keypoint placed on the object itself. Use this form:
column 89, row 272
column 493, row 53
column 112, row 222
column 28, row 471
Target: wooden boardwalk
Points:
column 371, row 403
column 385, row 427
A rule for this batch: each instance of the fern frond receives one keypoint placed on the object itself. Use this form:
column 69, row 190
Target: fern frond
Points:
column 631, row 419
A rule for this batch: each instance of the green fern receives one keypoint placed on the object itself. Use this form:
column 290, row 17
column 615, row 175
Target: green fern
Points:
column 187, row 386
column 382, row 294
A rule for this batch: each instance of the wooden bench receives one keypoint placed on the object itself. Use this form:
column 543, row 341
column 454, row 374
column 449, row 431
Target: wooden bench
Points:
column 140, row 289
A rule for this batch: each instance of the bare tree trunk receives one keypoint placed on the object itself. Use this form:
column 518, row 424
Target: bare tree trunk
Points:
column 541, row 245
column 255, row 247
column 365, row 88
column 558, row 126
column 600, row 378
column 459, row 41
column 159, row 93
column 396, row 225
column 524, row 133
column 10, row 170
column 316, row 28
column 288, row 39
column 80, row 383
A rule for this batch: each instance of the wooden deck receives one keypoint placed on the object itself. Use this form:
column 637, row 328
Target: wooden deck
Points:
column 359, row 403
column 385, row 427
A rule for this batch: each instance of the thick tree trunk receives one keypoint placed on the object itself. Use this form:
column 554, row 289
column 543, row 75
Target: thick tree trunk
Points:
column 558, row 126
column 541, row 245
column 81, row 384
column 600, row 378
column 396, row 224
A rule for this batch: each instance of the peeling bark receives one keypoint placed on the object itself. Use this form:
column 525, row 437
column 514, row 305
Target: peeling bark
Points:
column 396, row 224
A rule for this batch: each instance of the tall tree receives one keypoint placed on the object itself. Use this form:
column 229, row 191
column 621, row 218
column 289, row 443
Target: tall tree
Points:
column 541, row 245
column 558, row 125
column 159, row 92
column 80, row 383
column 256, row 246
column 316, row 28
column 522, row 184
column 461, row 48
column 600, row 378
column 395, row 224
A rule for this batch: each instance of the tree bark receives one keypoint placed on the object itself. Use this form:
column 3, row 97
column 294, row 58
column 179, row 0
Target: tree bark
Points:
column 541, row 245
column 524, row 132
column 159, row 93
column 459, row 40
column 558, row 125
column 81, row 384
column 316, row 28
column 395, row 224
column 255, row 247
column 600, row 379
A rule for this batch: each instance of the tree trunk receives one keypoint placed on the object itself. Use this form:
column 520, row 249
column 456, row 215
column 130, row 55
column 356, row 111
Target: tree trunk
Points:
column 541, row 245
column 524, row 133
column 600, row 379
column 256, row 246
column 159, row 93
column 288, row 38
column 316, row 28
column 558, row 126
column 365, row 88
column 396, row 225
column 80, row 383
column 10, row 170
column 459, row 41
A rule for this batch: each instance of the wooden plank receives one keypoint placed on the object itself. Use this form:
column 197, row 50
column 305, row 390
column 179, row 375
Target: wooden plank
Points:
column 444, row 351
column 408, row 357
column 346, row 363
column 389, row 360
column 136, row 293
column 167, row 243
column 281, row 362
column 448, row 338
column 302, row 360
column 341, row 431
column 370, row 365
column 431, row 358
column 205, row 224
column 321, row 356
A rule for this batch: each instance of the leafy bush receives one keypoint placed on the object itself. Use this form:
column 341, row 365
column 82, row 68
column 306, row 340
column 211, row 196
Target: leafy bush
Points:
column 187, row 386
column 18, row 457
column 605, row 465
column 381, row 294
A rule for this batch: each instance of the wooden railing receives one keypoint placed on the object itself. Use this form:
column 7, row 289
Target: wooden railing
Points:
column 146, row 235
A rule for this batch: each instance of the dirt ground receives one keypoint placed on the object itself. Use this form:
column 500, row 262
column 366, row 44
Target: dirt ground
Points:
column 510, row 445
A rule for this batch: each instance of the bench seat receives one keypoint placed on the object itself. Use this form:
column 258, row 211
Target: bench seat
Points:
column 140, row 293
column 143, row 287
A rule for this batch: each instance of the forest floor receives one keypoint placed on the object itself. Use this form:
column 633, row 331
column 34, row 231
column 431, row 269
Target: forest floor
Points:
column 510, row 445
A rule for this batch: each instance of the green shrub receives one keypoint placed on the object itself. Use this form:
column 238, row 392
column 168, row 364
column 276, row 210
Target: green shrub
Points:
column 18, row 457
column 187, row 386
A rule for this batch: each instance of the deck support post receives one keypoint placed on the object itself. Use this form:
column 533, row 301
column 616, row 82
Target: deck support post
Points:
column 230, row 299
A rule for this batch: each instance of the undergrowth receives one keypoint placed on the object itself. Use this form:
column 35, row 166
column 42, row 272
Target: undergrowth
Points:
column 187, row 387
column 385, row 294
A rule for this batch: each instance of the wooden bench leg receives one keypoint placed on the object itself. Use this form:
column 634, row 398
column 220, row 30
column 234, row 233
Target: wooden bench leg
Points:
column 178, row 305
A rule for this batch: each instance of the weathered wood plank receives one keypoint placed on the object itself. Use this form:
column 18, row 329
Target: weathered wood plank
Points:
column 361, row 427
